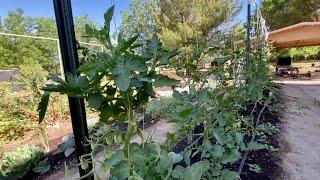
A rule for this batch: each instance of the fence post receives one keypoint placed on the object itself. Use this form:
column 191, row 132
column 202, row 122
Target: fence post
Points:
column 67, row 41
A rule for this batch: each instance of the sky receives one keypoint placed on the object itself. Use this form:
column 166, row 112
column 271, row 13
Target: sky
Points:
column 93, row 8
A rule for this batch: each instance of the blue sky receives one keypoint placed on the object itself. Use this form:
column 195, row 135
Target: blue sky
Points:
column 93, row 8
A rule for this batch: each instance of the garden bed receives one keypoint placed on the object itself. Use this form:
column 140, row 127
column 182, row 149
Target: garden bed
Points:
column 268, row 161
column 58, row 161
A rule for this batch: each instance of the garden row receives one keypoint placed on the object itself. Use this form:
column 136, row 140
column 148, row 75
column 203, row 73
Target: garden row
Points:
column 219, row 121
column 225, row 117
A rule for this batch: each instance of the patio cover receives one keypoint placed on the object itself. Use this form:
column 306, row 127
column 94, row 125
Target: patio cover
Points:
column 298, row 35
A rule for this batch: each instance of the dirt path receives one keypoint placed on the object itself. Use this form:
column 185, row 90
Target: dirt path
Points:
column 301, row 132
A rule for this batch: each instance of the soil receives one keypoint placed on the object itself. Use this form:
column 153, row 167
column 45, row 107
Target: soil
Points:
column 268, row 162
column 54, row 133
column 301, row 132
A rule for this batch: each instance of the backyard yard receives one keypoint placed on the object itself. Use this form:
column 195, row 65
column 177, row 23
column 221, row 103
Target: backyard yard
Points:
column 178, row 91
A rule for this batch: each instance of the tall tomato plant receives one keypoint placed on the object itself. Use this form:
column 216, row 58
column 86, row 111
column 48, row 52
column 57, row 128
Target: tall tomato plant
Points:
column 117, row 82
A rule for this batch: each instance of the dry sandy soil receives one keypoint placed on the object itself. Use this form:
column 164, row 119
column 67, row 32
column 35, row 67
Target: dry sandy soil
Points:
column 301, row 131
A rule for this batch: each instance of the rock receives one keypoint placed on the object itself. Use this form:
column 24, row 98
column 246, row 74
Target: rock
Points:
column 69, row 151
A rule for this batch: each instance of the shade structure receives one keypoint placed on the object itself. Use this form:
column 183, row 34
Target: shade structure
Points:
column 298, row 35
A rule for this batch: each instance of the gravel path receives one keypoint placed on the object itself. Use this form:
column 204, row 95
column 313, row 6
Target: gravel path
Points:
column 301, row 132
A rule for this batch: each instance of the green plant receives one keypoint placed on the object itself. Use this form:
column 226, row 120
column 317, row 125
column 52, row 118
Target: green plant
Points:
column 16, row 164
column 118, row 83
column 16, row 114
column 163, row 107
column 214, row 118
column 255, row 168
column 32, row 78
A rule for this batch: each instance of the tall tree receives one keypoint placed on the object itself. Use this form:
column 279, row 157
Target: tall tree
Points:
column 282, row 13
column 18, row 51
column 184, row 25
column 137, row 20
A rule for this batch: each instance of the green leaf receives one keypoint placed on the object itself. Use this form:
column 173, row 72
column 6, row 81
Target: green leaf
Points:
column 121, row 170
column 252, row 146
column 239, row 138
column 174, row 157
column 107, row 19
column 162, row 80
column 134, row 65
column 115, row 159
column 201, row 96
column 153, row 44
column 42, row 167
column 185, row 113
column 105, row 113
column 43, row 105
column 231, row 157
column 123, row 80
column 177, row 172
column 217, row 151
column 166, row 57
column 195, row 171
column 123, row 45
column 95, row 100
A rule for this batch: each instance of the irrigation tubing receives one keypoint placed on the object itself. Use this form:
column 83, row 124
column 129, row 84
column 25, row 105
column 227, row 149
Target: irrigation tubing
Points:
column 252, row 139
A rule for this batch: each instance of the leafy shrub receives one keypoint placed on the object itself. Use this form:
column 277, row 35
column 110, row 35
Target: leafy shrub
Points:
column 16, row 114
column 33, row 77
column 163, row 107
column 16, row 164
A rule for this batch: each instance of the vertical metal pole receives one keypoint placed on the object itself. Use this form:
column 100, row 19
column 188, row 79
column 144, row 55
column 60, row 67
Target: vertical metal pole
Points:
column 248, row 47
column 67, row 40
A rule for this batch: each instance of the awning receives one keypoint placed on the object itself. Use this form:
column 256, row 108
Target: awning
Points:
column 298, row 35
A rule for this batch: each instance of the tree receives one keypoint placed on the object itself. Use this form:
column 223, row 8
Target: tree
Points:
column 137, row 20
column 17, row 51
column 282, row 13
column 184, row 25
column 80, row 31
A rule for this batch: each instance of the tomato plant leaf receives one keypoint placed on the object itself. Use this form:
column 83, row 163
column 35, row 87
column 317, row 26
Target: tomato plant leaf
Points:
column 123, row 80
column 174, row 157
column 43, row 105
column 121, row 170
column 255, row 146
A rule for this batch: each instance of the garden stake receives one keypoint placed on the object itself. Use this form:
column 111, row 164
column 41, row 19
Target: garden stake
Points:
column 67, row 40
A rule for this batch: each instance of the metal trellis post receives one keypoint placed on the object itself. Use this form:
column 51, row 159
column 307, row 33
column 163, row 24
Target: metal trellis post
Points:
column 248, row 30
column 67, row 40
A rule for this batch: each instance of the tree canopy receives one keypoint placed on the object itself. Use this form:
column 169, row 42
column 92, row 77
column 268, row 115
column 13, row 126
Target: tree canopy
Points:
column 185, row 25
column 16, row 51
column 282, row 13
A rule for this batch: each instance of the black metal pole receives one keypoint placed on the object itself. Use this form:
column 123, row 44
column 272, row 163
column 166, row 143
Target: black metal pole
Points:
column 69, row 54
column 248, row 29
